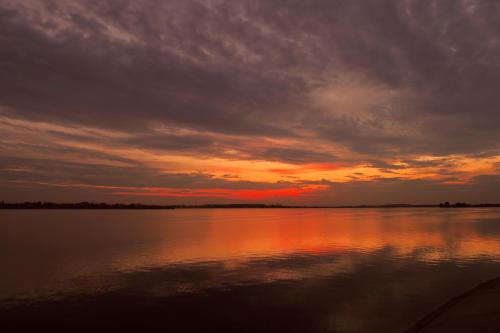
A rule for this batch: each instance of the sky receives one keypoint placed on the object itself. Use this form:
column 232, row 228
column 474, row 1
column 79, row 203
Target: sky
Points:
column 320, row 102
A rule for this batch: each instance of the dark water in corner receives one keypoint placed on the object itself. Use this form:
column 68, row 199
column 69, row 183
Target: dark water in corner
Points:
column 237, row 270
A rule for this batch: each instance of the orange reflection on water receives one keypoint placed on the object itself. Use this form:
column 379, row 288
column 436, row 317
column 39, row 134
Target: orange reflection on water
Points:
column 241, row 233
column 50, row 248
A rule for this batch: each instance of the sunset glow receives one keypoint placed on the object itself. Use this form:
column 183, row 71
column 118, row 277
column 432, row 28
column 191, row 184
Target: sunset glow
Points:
column 250, row 165
column 230, row 107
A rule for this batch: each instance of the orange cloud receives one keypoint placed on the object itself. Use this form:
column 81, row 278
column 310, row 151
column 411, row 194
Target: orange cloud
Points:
column 307, row 167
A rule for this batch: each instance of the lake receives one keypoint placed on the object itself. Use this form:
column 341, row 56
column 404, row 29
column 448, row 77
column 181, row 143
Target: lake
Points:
column 240, row 270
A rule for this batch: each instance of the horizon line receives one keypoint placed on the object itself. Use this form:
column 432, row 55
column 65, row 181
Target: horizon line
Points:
column 105, row 205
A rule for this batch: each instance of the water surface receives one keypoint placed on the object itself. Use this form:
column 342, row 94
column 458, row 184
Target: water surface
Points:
column 303, row 270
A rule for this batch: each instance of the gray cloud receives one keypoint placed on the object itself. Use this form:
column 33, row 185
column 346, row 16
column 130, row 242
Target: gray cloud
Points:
column 243, row 67
column 99, row 81
column 171, row 142
column 296, row 155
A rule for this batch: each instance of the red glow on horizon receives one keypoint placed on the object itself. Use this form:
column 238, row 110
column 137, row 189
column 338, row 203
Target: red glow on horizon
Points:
column 244, row 194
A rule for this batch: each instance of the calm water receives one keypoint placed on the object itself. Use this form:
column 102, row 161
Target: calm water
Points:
column 234, row 270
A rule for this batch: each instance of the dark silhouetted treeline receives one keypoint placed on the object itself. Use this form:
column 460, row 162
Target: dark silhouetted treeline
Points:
column 78, row 205
column 102, row 205
column 464, row 204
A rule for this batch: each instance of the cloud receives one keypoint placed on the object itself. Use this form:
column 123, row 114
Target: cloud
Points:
column 298, row 156
column 96, row 182
column 171, row 142
column 482, row 189
column 356, row 83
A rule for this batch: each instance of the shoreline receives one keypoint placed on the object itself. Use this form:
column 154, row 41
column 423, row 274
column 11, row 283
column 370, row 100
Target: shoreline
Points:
column 138, row 206
column 438, row 313
column 171, row 208
column 184, row 208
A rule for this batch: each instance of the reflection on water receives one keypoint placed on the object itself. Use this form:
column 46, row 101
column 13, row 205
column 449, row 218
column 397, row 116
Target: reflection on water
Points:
column 347, row 270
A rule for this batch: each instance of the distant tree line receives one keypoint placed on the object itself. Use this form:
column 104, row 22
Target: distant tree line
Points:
column 464, row 204
column 103, row 205
column 78, row 205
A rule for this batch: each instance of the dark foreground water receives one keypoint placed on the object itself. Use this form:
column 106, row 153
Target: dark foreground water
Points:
column 239, row 270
